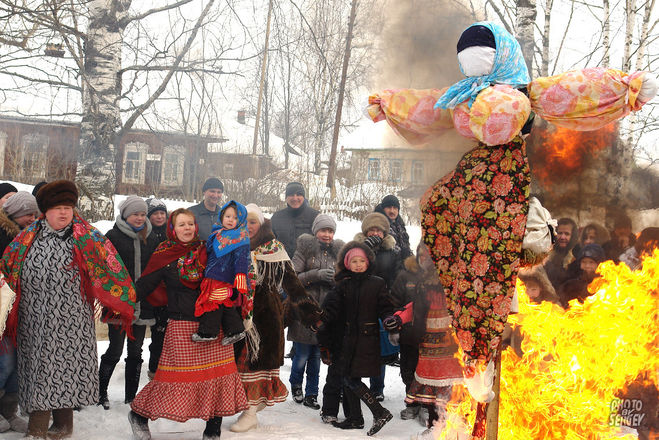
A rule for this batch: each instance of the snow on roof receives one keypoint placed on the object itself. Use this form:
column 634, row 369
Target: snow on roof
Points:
column 372, row 136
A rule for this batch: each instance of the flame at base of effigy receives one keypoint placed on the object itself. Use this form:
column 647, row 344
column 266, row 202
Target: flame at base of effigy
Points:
column 570, row 383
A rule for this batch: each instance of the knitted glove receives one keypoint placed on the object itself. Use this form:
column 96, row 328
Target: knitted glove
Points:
column 240, row 283
column 325, row 356
column 373, row 241
column 326, row 275
column 392, row 323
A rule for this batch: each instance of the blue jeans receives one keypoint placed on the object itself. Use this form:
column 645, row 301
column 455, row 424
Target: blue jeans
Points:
column 377, row 382
column 8, row 377
column 306, row 355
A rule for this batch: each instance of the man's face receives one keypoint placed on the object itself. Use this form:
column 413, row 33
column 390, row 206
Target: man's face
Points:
column 212, row 196
column 563, row 235
column 295, row 200
column 391, row 212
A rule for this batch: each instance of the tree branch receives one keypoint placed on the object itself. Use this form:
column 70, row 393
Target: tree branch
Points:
column 138, row 17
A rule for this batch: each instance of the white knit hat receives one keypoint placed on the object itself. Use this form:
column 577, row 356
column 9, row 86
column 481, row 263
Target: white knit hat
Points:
column 255, row 212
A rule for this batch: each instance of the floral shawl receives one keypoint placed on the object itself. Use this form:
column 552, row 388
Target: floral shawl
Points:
column 102, row 273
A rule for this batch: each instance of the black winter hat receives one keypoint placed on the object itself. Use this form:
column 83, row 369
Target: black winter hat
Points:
column 390, row 200
column 154, row 205
column 594, row 251
column 213, row 183
column 477, row 35
column 37, row 187
column 6, row 188
column 294, row 188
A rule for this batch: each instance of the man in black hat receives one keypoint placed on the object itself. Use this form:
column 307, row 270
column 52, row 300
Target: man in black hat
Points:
column 208, row 210
column 390, row 207
column 294, row 220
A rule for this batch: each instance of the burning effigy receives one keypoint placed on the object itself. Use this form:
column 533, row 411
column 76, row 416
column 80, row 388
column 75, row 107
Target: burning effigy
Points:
column 474, row 219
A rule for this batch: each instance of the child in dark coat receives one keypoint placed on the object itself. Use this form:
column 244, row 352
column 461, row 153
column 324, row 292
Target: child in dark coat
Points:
column 358, row 301
column 227, row 267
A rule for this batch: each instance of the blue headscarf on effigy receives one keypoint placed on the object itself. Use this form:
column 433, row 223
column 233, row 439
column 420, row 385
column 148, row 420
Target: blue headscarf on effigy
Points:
column 224, row 240
column 509, row 68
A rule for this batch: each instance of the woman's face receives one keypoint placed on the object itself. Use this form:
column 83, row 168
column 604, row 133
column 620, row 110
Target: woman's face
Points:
column 589, row 236
column 253, row 226
column 184, row 228
column 59, row 217
column 24, row 220
column 158, row 218
column 136, row 220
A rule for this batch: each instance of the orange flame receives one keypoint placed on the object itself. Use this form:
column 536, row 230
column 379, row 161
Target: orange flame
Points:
column 562, row 153
column 577, row 362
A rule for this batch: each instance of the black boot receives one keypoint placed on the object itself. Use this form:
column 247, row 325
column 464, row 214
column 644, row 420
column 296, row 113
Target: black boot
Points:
column 353, row 411
column 213, row 429
column 381, row 415
column 105, row 371
column 133, row 370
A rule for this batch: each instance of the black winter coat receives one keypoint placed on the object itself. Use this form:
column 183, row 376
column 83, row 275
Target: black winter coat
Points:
column 180, row 298
column 357, row 302
column 288, row 224
column 388, row 260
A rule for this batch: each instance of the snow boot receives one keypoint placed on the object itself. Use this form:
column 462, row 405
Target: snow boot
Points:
column 202, row 337
column 232, row 339
column 246, row 421
column 105, row 371
column 133, row 370
column 37, row 425
column 381, row 415
column 410, row 412
column 311, row 402
column 139, row 425
column 62, row 426
column 326, row 418
column 213, row 429
column 296, row 391
column 350, row 423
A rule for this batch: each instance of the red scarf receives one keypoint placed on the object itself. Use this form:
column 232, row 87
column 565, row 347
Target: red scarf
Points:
column 191, row 265
column 103, row 277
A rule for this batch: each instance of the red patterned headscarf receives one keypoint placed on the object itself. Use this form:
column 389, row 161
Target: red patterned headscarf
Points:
column 191, row 258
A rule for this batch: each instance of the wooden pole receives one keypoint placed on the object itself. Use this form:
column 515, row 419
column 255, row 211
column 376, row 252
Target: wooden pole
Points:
column 492, row 415
column 339, row 106
column 263, row 66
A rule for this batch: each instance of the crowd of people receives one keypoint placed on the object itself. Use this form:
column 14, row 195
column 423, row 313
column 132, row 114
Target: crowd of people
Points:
column 217, row 284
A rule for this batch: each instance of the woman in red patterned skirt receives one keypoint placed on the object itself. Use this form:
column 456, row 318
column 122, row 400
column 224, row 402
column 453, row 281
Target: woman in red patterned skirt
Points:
column 193, row 380
column 259, row 358
column 428, row 319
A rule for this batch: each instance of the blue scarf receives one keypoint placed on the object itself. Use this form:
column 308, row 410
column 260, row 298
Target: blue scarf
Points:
column 509, row 68
column 224, row 240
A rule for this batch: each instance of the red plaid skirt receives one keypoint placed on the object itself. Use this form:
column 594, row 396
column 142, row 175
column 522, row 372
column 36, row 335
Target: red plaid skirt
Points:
column 261, row 386
column 194, row 380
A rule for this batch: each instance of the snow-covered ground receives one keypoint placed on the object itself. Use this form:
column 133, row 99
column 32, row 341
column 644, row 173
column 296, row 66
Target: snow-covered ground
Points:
column 287, row 420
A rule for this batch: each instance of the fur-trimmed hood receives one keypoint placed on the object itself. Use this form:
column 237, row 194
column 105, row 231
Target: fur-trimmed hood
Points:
column 341, row 270
column 388, row 242
column 9, row 226
column 263, row 236
column 539, row 275
column 308, row 246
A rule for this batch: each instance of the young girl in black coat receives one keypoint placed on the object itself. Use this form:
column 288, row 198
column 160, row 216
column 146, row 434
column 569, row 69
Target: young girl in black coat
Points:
column 357, row 301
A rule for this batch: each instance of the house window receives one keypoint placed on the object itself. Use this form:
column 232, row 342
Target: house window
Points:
column 417, row 171
column 35, row 148
column 373, row 169
column 228, row 170
column 173, row 159
column 396, row 170
column 135, row 162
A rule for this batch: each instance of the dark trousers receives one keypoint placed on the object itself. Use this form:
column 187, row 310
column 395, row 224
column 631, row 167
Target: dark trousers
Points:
column 157, row 337
column 227, row 317
column 117, row 336
column 332, row 392
column 409, row 357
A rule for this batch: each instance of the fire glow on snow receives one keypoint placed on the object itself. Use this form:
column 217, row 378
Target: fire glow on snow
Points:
column 577, row 363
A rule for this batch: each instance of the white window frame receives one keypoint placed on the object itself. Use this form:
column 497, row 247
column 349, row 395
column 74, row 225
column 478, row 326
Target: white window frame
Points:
column 172, row 156
column 142, row 150
column 396, row 170
column 35, row 140
column 374, row 173
column 414, row 174
column 3, row 148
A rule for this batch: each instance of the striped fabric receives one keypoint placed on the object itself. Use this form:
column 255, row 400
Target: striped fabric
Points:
column 261, row 386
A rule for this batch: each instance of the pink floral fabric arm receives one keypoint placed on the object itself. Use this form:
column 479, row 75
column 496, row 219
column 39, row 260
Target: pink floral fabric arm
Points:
column 410, row 113
column 586, row 99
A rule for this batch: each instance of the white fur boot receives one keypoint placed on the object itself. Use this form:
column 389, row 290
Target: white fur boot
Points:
column 246, row 421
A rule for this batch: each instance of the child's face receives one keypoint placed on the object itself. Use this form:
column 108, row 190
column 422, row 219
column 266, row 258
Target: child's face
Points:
column 532, row 289
column 588, row 265
column 326, row 235
column 358, row 264
column 375, row 231
column 230, row 218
